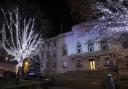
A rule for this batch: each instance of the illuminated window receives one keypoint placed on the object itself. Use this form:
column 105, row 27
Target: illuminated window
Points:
column 79, row 50
column 64, row 49
column 90, row 47
column 92, row 64
column 104, row 45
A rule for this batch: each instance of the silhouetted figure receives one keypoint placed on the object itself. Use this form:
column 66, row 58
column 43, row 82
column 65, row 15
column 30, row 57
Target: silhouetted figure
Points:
column 110, row 82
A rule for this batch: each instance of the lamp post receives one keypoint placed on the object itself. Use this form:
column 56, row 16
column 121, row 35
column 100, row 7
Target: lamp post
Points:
column 6, row 58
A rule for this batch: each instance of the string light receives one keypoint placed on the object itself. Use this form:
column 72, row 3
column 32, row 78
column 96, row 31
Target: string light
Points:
column 113, row 22
column 22, row 41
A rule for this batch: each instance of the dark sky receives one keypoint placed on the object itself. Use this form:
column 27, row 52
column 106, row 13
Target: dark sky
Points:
column 56, row 11
column 59, row 13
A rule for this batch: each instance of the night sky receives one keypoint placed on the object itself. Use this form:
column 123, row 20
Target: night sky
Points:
column 56, row 11
column 59, row 14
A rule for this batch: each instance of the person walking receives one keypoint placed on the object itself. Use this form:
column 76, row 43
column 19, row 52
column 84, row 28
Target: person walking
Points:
column 110, row 82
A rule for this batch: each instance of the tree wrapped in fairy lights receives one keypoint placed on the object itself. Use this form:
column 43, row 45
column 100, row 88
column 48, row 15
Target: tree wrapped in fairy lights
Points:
column 18, row 35
column 113, row 19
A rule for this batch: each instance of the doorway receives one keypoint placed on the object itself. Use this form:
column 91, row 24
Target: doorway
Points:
column 92, row 64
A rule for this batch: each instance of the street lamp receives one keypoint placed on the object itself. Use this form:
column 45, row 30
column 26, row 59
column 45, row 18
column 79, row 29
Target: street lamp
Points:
column 6, row 58
column 25, row 66
column 26, row 63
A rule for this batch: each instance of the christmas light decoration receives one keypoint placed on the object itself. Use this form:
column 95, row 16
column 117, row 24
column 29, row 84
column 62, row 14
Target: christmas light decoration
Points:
column 113, row 22
column 18, row 36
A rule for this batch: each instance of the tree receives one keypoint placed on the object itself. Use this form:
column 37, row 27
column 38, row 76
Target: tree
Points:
column 81, row 10
column 18, row 36
column 114, row 17
column 111, row 18
column 111, row 22
column 30, row 9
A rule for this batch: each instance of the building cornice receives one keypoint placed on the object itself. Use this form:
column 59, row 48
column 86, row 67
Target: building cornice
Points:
column 52, row 38
column 65, row 34
column 85, row 24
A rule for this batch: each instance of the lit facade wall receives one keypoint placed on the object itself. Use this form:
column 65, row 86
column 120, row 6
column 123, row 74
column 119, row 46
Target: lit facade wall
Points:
column 73, row 61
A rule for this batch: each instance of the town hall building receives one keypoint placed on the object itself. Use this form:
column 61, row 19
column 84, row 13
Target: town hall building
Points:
column 85, row 48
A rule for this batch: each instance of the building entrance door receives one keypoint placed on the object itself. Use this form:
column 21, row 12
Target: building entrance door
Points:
column 92, row 64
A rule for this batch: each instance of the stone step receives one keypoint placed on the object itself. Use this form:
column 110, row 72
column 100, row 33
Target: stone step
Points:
column 78, row 84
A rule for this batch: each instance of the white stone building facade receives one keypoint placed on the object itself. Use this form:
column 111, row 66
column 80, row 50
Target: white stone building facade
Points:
column 83, row 48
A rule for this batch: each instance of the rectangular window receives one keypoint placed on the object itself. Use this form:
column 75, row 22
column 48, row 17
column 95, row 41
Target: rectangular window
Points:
column 54, row 43
column 54, row 53
column 90, row 47
column 79, row 63
column 104, row 46
column 64, row 49
column 79, row 48
column 92, row 64
column 64, row 52
column 107, row 61
column 125, row 44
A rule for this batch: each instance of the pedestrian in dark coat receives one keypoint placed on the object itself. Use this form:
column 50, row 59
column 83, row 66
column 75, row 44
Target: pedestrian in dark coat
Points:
column 110, row 82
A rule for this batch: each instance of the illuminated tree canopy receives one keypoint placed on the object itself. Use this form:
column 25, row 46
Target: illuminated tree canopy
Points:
column 111, row 22
column 114, row 18
column 19, row 38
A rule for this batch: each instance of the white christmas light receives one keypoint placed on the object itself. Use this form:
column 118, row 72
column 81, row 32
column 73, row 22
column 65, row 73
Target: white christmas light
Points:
column 114, row 20
column 18, row 36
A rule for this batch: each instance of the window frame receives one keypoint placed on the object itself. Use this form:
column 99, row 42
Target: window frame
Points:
column 104, row 44
column 65, row 50
column 90, row 45
column 79, row 47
